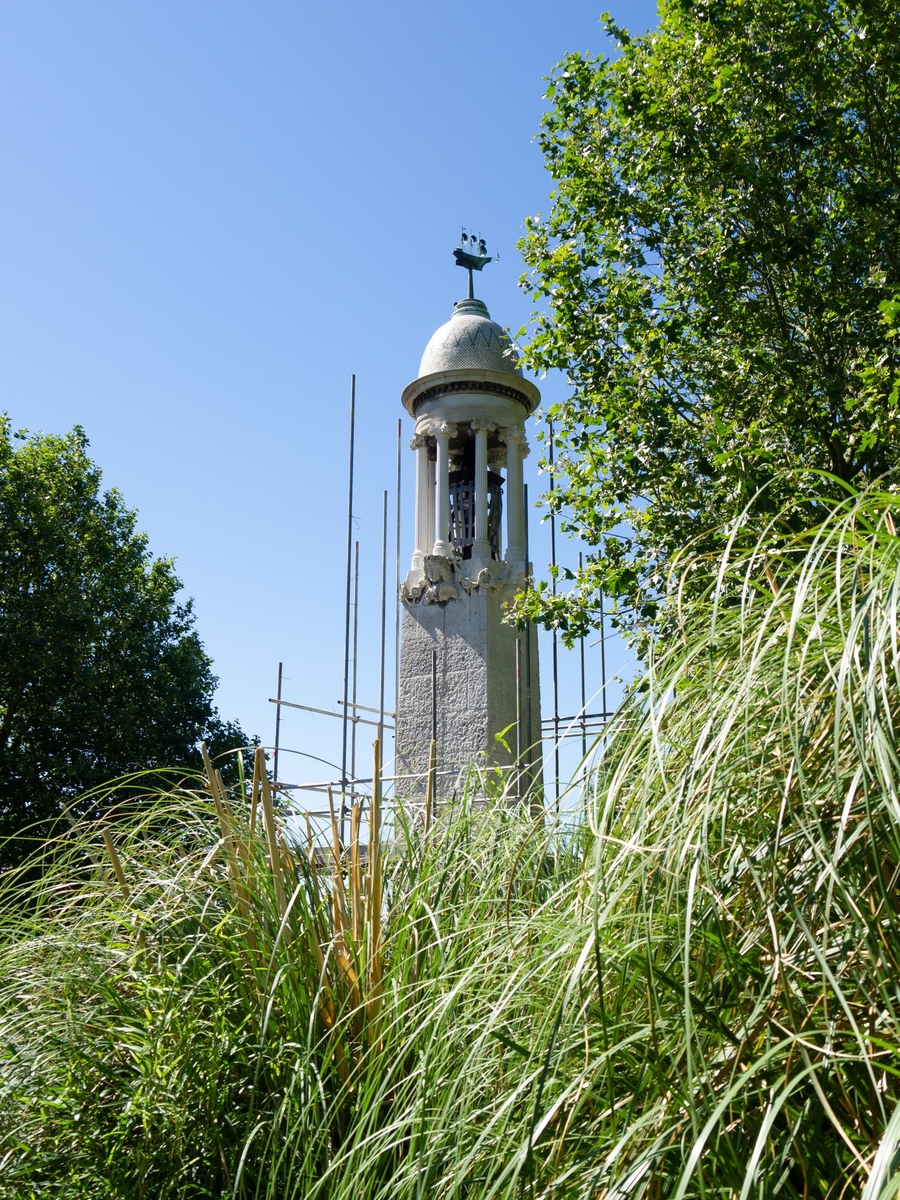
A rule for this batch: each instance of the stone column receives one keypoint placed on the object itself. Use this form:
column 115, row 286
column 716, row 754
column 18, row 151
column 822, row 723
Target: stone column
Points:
column 429, row 498
column 516, row 449
column 424, row 501
column 443, row 432
column 482, row 545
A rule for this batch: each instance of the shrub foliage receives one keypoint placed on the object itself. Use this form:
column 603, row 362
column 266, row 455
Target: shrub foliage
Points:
column 721, row 252
column 101, row 669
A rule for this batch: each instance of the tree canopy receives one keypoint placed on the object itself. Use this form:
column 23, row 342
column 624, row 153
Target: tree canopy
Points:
column 101, row 669
column 718, row 267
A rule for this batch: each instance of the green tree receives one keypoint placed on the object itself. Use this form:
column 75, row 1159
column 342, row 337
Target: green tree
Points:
column 101, row 671
column 716, row 270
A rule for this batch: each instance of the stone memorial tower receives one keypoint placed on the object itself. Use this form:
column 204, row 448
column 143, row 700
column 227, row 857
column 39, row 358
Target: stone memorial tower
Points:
column 465, row 676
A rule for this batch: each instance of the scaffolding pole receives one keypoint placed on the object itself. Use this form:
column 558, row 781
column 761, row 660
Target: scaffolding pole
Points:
column 345, row 730
column 397, row 575
column 277, row 723
column 555, row 634
column 529, row 731
column 384, row 516
column 355, row 654
column 583, row 685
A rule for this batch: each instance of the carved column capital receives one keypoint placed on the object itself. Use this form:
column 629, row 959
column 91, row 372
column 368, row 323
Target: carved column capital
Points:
column 419, row 442
column 445, row 429
column 512, row 434
column 481, row 424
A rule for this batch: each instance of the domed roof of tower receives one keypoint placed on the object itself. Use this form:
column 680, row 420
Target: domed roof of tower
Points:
column 470, row 339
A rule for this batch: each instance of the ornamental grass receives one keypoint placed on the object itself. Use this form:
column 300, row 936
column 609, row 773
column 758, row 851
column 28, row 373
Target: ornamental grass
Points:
column 687, row 987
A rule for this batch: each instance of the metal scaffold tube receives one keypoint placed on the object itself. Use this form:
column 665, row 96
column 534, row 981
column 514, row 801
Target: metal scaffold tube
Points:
column 355, row 674
column 346, row 726
column 397, row 574
column 384, row 525
column 555, row 634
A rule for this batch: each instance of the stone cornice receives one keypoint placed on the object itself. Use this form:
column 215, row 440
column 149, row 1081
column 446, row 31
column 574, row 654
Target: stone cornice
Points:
column 447, row 389
column 492, row 383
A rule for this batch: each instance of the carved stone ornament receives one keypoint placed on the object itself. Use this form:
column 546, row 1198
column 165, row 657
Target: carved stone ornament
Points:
column 512, row 433
column 419, row 442
column 436, row 585
column 508, row 578
column 439, row 573
column 480, row 423
column 444, row 579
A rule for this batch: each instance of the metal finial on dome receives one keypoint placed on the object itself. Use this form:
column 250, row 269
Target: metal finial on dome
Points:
column 471, row 261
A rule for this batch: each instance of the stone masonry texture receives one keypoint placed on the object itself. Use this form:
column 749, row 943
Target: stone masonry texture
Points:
column 476, row 690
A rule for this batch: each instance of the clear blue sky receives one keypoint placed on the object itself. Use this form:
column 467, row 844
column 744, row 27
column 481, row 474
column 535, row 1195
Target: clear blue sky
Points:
column 213, row 213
